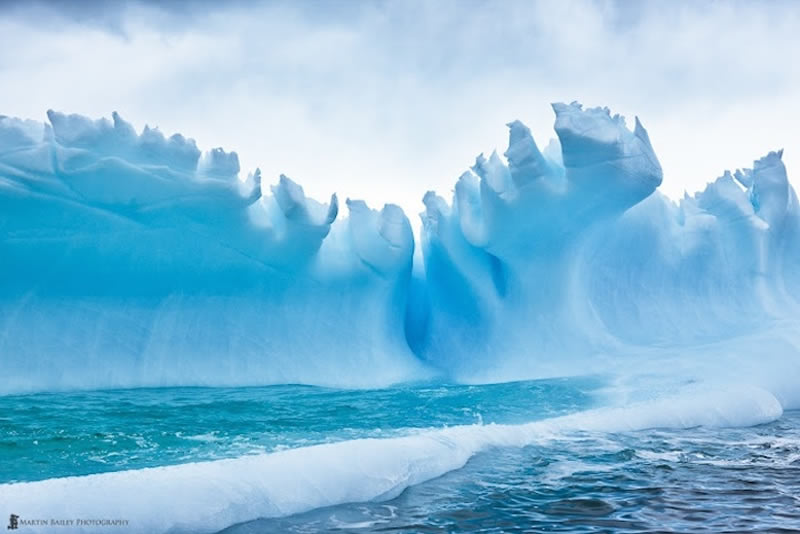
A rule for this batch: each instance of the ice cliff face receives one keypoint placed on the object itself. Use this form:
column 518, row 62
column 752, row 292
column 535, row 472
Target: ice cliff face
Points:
column 131, row 260
column 136, row 260
column 549, row 259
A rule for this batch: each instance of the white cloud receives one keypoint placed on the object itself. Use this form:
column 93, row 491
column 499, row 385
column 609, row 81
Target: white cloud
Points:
column 386, row 100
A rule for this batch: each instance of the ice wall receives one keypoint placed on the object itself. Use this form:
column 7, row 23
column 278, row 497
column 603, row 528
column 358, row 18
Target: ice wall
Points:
column 571, row 262
column 135, row 260
column 132, row 259
column 502, row 261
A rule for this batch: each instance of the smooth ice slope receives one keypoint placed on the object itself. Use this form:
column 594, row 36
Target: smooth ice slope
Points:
column 136, row 260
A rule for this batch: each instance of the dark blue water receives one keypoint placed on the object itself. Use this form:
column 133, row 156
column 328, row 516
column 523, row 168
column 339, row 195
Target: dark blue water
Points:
column 693, row 480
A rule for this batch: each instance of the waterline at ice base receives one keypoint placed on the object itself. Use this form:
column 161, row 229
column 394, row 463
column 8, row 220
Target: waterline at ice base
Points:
column 249, row 354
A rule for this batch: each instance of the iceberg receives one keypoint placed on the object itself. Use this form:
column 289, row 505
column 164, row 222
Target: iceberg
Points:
column 134, row 259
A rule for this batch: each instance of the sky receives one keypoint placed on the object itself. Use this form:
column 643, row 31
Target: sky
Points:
column 386, row 100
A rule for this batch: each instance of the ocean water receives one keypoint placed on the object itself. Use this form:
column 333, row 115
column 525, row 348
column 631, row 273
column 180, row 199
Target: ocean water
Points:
column 666, row 479
column 693, row 480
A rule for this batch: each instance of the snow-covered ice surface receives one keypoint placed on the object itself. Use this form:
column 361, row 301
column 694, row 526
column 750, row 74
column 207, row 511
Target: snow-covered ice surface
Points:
column 135, row 260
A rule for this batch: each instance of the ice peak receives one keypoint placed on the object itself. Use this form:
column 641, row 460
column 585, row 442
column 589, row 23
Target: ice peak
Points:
column 525, row 161
column 296, row 207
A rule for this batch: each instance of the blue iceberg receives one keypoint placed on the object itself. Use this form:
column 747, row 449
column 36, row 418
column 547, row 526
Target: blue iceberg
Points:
column 134, row 259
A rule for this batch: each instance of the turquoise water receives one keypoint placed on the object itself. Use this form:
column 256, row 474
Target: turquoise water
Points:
column 61, row 434
column 679, row 479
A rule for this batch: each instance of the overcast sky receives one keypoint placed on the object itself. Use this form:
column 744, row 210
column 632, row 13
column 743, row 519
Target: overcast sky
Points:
column 385, row 100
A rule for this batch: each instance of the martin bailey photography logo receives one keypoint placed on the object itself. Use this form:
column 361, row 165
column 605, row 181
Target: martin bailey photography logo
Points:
column 15, row 522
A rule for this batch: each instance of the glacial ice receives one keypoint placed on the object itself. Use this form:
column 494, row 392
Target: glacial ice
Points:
column 134, row 259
